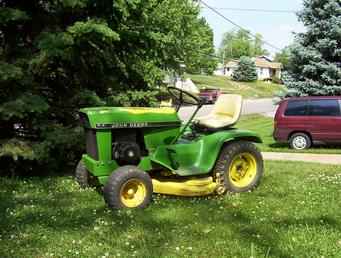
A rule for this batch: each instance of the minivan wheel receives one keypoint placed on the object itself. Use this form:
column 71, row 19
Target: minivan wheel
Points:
column 300, row 141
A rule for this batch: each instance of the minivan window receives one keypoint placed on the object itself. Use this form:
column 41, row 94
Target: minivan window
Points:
column 324, row 107
column 296, row 108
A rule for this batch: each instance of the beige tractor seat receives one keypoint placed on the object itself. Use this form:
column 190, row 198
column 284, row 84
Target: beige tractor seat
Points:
column 225, row 113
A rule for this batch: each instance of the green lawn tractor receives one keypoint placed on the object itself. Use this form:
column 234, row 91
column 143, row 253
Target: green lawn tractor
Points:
column 132, row 152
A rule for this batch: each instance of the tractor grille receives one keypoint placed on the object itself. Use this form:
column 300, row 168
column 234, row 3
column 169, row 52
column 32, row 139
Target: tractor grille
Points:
column 90, row 134
column 91, row 143
column 84, row 120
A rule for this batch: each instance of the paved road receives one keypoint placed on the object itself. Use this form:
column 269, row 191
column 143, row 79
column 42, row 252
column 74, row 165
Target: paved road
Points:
column 332, row 159
column 250, row 106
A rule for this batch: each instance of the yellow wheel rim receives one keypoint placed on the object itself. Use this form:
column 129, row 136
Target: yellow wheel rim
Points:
column 243, row 170
column 133, row 193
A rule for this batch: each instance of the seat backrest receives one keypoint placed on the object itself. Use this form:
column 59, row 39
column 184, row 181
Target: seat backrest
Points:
column 228, row 104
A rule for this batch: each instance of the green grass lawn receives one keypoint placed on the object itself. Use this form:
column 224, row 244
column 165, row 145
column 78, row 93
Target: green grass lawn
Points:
column 264, row 127
column 295, row 212
column 257, row 89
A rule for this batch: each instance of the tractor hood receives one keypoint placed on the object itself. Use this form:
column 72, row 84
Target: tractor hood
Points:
column 128, row 117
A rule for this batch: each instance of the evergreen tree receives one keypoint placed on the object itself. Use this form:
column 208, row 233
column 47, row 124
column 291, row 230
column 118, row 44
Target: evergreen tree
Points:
column 315, row 64
column 246, row 70
column 59, row 56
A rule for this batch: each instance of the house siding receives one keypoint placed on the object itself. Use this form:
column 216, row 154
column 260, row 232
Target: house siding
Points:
column 266, row 69
column 263, row 73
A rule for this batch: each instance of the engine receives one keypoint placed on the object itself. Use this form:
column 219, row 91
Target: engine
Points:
column 127, row 146
column 126, row 153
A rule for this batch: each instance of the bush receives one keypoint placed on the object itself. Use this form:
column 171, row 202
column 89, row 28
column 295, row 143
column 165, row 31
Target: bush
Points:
column 246, row 70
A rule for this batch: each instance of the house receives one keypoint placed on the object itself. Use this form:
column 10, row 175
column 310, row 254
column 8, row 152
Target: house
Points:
column 266, row 68
column 187, row 85
column 219, row 70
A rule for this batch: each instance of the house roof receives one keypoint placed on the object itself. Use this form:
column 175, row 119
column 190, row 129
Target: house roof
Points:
column 266, row 58
column 260, row 61
column 232, row 63
column 264, row 63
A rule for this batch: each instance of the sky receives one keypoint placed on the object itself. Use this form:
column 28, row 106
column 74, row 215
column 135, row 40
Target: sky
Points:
column 276, row 28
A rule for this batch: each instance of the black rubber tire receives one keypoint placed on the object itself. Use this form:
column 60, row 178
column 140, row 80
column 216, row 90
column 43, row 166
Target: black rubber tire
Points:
column 82, row 175
column 295, row 135
column 227, row 154
column 112, row 189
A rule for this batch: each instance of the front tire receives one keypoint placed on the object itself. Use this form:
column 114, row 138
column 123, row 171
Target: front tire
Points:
column 240, row 165
column 128, row 187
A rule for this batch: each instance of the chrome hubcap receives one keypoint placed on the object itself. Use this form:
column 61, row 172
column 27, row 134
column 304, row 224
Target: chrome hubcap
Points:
column 299, row 142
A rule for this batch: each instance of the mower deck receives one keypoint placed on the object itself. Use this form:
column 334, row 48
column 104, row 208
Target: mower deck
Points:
column 190, row 187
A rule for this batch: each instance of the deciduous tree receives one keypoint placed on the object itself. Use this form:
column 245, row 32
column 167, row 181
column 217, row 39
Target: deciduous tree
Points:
column 236, row 44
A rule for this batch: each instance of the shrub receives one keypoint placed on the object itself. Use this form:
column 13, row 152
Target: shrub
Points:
column 246, row 70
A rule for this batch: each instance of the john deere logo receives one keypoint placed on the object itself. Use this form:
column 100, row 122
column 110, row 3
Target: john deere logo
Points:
column 138, row 125
column 122, row 125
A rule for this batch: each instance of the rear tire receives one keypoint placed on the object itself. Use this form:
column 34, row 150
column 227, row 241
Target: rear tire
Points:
column 82, row 175
column 128, row 187
column 240, row 165
column 300, row 141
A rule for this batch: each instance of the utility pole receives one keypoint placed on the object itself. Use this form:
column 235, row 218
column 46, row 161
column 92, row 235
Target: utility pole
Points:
column 224, row 61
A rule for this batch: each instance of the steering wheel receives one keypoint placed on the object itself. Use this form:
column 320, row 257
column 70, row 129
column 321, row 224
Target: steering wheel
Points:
column 184, row 97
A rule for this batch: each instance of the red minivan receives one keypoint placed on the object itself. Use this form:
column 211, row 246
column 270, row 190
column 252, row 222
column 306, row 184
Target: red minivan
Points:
column 209, row 96
column 302, row 121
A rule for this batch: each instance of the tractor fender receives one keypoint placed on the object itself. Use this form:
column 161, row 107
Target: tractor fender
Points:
column 213, row 144
column 244, row 136
column 199, row 157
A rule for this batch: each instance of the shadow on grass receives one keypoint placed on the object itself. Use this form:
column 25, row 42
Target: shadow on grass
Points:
column 10, row 227
column 153, row 227
column 278, row 145
column 320, row 221
column 248, row 233
column 316, row 147
column 54, row 217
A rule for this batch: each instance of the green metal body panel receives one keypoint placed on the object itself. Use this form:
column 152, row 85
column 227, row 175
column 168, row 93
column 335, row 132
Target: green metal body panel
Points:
column 104, row 140
column 197, row 157
column 99, row 168
column 102, row 170
column 122, row 116
column 159, row 128
column 158, row 137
